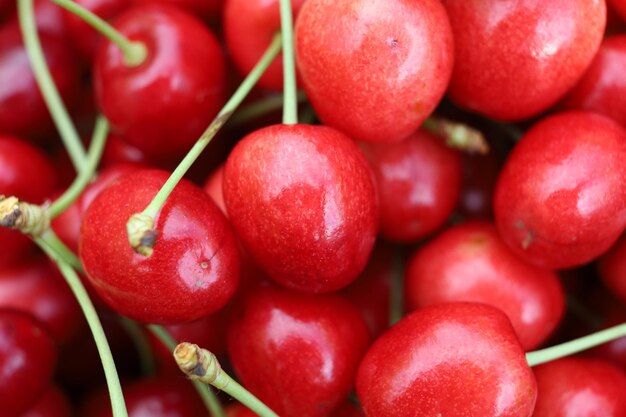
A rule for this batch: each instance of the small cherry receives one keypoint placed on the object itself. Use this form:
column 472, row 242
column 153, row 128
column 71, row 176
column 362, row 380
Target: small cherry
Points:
column 52, row 403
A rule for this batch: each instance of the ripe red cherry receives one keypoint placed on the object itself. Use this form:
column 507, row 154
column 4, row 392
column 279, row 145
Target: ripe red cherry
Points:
column 27, row 359
column 206, row 9
column 560, row 200
column 574, row 386
column 603, row 87
column 549, row 44
column 297, row 352
column 419, row 181
column 163, row 105
column 303, row 202
column 52, row 403
column 612, row 267
column 374, row 69
column 194, row 268
column 470, row 262
column 459, row 359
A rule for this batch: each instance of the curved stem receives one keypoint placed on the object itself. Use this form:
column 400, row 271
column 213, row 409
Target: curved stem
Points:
column 135, row 53
column 50, row 94
column 110, row 372
column 140, row 340
column 290, row 108
column 62, row 251
column 208, row 396
column 96, row 147
column 574, row 346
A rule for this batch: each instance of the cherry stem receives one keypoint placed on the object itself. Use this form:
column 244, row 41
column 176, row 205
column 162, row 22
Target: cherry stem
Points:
column 574, row 346
column 262, row 107
column 115, row 389
column 62, row 251
column 290, row 107
column 134, row 53
column 457, row 135
column 139, row 227
column 50, row 94
column 94, row 154
column 208, row 396
column 142, row 344
column 201, row 365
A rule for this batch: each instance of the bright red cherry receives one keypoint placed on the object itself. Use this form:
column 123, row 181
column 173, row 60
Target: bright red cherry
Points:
column 374, row 69
column 163, row 105
column 603, row 87
column 419, row 181
column 459, row 359
column 573, row 387
column 303, row 202
column 560, row 200
column 470, row 262
column 297, row 352
column 194, row 268
column 612, row 267
column 27, row 359
column 52, row 403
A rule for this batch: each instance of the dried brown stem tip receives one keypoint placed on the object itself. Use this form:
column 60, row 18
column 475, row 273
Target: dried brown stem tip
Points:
column 458, row 135
column 141, row 233
column 28, row 218
column 199, row 364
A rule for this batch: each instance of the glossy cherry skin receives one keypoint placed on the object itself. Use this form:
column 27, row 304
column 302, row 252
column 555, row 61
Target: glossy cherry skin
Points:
column 560, row 200
column 572, row 387
column 419, row 181
column 194, row 268
column 249, row 27
column 470, row 262
column 302, row 200
column 163, row 105
column 374, row 69
column 550, row 45
column 612, row 267
column 603, row 87
column 27, row 360
column 52, row 403
column 297, row 352
column 457, row 359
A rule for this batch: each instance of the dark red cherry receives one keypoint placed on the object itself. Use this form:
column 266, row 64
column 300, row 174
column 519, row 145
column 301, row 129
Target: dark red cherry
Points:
column 458, row 359
column 303, row 202
column 27, row 359
column 549, row 45
column 560, row 200
column 479, row 177
column 163, row 105
column 603, row 87
column 470, row 262
column 194, row 268
column 118, row 151
column 619, row 6
column 348, row 409
column 573, row 387
column 52, row 403
column 297, row 352
column 374, row 69
column 612, row 267
column 206, row 9
column 249, row 27
column 419, row 181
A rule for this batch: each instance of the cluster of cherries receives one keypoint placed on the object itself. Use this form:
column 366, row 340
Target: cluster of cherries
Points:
column 356, row 266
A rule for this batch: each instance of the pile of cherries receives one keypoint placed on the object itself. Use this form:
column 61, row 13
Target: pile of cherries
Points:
column 358, row 264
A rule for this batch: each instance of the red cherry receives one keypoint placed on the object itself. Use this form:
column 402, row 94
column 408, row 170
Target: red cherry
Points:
column 117, row 151
column 347, row 409
column 470, row 262
column 374, row 69
column 297, row 352
column 572, row 387
column 460, row 359
column 419, row 181
column 560, row 200
column 603, row 87
column 194, row 268
column 163, row 105
column 53, row 403
column 303, row 202
column 238, row 410
column 619, row 6
column 479, row 177
column 27, row 359
column 549, row 45
column 206, row 9
column 612, row 267
column 48, row 20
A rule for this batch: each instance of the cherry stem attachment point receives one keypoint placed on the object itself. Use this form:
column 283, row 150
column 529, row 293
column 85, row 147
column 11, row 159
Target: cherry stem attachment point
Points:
column 50, row 94
column 201, row 365
column 290, row 107
column 458, row 135
column 29, row 219
column 209, row 398
column 140, row 226
column 574, row 346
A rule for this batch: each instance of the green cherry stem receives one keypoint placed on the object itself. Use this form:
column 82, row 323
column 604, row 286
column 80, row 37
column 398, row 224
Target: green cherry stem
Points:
column 50, row 94
column 574, row 346
column 94, row 154
column 139, row 227
column 52, row 241
column 457, row 135
column 290, row 107
column 208, row 396
column 201, row 365
column 134, row 53
column 115, row 390
column 262, row 107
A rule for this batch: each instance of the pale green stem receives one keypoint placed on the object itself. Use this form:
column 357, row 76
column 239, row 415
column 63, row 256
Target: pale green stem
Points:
column 290, row 108
column 62, row 251
column 261, row 107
